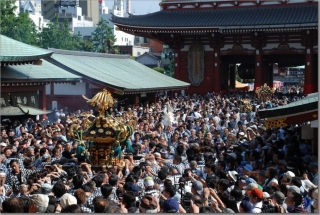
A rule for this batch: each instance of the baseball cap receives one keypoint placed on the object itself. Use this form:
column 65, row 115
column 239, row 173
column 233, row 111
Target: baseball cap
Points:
column 279, row 197
column 254, row 127
column 262, row 173
column 249, row 181
column 233, row 175
column 266, row 195
column 232, row 155
column 170, row 205
column 246, row 206
column 198, row 186
column 283, row 162
column 293, row 189
column 250, row 186
column 256, row 192
column 46, row 186
column 148, row 181
column 131, row 187
column 248, row 167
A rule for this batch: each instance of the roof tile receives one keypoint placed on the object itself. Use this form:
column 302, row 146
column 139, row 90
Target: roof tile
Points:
column 14, row 51
column 224, row 17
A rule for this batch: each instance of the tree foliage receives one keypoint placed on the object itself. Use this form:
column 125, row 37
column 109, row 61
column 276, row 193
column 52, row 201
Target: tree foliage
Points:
column 159, row 69
column 103, row 38
column 20, row 27
column 56, row 34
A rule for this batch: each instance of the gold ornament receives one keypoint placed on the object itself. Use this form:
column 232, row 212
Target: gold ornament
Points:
column 92, row 132
column 264, row 93
column 100, row 131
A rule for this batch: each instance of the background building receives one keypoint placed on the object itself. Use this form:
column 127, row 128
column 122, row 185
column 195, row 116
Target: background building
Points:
column 34, row 11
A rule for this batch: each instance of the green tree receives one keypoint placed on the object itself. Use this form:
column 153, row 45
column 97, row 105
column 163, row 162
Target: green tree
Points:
column 159, row 69
column 58, row 36
column 20, row 27
column 103, row 39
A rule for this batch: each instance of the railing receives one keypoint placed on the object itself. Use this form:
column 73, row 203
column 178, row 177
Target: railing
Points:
column 65, row 15
column 87, row 18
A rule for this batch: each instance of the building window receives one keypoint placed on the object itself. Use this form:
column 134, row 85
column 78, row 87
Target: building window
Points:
column 122, row 39
column 145, row 40
column 63, row 11
column 104, row 11
column 79, row 18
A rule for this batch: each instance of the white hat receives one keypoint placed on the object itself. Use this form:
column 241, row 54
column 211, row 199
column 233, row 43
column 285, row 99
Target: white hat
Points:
column 241, row 133
column 3, row 144
column 67, row 199
column 250, row 186
column 233, row 175
column 266, row 195
column 42, row 200
column 289, row 174
column 293, row 189
column 232, row 155
column 254, row 127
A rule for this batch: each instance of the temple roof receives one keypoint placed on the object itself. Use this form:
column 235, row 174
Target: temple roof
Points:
column 115, row 71
column 307, row 104
column 240, row 18
column 47, row 72
column 19, row 110
column 15, row 52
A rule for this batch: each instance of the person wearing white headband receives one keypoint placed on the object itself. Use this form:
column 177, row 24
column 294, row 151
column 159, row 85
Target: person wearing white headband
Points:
column 5, row 190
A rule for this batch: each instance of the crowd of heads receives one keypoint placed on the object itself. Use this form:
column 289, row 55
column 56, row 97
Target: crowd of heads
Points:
column 191, row 154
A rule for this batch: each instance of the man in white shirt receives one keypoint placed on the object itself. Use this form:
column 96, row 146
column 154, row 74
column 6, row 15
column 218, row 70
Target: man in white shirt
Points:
column 256, row 196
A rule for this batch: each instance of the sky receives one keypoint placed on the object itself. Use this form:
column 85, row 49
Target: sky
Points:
column 139, row 7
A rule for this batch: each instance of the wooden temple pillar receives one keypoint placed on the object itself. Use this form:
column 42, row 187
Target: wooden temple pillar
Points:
column 310, row 39
column 309, row 86
column 224, row 76
column 258, row 82
column 135, row 99
column 232, row 78
column 43, row 99
column 176, row 65
column 217, row 66
column 154, row 97
column 269, row 75
column 171, row 95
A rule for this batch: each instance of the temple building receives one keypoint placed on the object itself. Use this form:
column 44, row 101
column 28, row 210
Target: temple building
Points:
column 214, row 39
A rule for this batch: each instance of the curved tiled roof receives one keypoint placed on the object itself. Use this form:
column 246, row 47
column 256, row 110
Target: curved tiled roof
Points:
column 14, row 51
column 285, row 15
column 114, row 71
column 309, row 103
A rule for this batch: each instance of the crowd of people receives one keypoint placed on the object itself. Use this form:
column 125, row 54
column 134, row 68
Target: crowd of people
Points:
column 208, row 157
